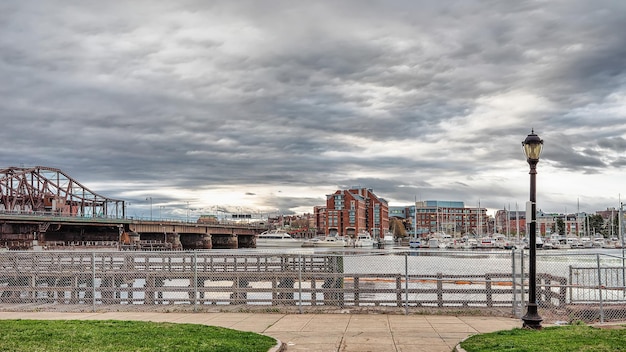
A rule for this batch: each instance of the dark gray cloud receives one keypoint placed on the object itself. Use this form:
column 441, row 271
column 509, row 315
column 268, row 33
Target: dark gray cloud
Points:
column 413, row 99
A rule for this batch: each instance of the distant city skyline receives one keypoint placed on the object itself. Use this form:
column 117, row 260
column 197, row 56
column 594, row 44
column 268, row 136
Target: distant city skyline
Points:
column 270, row 106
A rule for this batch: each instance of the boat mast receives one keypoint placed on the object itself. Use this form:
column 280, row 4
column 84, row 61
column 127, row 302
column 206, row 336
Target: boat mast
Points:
column 415, row 218
column 508, row 222
column 517, row 221
column 612, row 222
column 480, row 222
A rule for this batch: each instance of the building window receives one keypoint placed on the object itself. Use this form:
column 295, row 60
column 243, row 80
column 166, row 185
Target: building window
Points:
column 376, row 215
column 339, row 202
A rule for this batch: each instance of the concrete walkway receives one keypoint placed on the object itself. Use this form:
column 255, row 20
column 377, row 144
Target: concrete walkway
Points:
column 323, row 332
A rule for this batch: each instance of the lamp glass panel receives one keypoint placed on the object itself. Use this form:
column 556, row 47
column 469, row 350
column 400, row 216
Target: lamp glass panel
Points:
column 532, row 150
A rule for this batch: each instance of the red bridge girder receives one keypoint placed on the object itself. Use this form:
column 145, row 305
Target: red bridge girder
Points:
column 49, row 191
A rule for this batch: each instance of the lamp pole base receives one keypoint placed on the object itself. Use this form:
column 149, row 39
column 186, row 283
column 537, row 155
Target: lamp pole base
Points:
column 532, row 320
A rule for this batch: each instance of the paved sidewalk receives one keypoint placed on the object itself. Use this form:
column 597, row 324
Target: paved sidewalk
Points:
column 323, row 332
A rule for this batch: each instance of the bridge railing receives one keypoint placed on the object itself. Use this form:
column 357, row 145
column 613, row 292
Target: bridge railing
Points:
column 56, row 215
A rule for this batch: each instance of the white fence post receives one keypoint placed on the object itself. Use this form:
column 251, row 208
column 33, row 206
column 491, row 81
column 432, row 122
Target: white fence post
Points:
column 600, row 288
column 406, row 284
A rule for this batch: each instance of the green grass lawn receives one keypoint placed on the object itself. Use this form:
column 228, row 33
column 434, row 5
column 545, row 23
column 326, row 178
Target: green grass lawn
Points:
column 550, row 339
column 113, row 335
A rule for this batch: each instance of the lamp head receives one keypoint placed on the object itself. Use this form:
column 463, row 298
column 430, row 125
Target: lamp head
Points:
column 532, row 146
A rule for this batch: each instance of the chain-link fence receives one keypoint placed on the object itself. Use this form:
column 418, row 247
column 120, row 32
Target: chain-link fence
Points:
column 570, row 286
column 592, row 287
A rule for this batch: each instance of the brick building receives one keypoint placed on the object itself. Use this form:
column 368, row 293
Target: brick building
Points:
column 508, row 222
column 436, row 216
column 350, row 211
column 511, row 222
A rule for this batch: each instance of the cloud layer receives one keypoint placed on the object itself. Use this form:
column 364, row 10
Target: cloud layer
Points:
column 269, row 106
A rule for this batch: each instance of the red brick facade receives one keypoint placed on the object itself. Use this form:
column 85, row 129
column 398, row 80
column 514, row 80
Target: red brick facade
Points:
column 348, row 212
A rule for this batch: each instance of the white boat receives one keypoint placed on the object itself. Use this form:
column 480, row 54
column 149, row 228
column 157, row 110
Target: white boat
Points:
column 486, row 242
column 276, row 238
column 312, row 242
column 599, row 242
column 415, row 243
column 446, row 244
column 612, row 242
column 573, row 242
column 433, row 243
column 364, row 239
column 503, row 242
column 538, row 243
column 389, row 238
column 471, row 243
column 331, row 241
column 586, row 242
column 551, row 244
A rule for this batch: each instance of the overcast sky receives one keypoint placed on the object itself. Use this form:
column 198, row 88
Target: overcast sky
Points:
column 270, row 106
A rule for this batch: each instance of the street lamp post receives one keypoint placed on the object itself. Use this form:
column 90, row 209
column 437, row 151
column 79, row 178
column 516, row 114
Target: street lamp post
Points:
column 532, row 148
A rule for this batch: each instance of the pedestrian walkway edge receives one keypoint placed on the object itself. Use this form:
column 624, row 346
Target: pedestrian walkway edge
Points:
column 279, row 347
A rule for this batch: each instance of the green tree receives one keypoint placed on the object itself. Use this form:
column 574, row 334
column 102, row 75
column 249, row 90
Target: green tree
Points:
column 596, row 224
column 615, row 230
column 616, row 224
column 560, row 226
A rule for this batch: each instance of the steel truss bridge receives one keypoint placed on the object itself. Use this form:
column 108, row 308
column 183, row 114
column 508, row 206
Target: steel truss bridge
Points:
column 50, row 191
column 44, row 207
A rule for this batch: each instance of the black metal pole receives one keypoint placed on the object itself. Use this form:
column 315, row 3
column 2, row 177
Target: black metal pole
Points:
column 532, row 320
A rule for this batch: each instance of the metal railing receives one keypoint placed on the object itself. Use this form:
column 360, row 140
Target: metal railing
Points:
column 493, row 282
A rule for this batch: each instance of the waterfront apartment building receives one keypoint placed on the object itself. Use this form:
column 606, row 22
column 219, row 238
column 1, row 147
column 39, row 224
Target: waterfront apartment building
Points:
column 320, row 223
column 547, row 223
column 513, row 222
column 351, row 211
column 509, row 222
column 435, row 216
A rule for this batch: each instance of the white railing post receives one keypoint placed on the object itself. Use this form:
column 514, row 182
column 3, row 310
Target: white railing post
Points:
column 195, row 280
column 513, row 283
column 300, row 283
column 600, row 288
column 93, row 281
column 406, row 283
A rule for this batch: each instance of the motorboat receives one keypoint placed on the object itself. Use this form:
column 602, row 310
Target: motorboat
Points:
column 538, row 243
column 573, row 242
column 331, row 241
column 551, row 244
column 612, row 242
column 388, row 238
column 312, row 242
column 599, row 242
column 276, row 238
column 486, row 242
column 364, row 239
column 433, row 243
column 503, row 242
column 576, row 244
column 446, row 244
column 471, row 243
column 415, row 242
column 586, row 242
